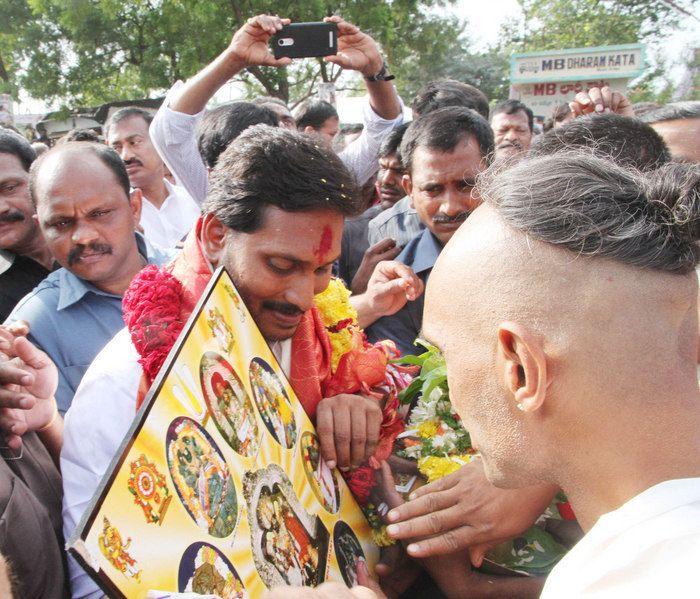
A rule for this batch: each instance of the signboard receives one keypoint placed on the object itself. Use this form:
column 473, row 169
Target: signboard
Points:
column 543, row 80
column 219, row 487
column 578, row 64
column 541, row 98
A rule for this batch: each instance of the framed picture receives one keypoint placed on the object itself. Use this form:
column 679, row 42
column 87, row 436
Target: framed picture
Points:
column 219, row 487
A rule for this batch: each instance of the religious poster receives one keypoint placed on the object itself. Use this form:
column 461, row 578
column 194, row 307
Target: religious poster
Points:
column 219, row 487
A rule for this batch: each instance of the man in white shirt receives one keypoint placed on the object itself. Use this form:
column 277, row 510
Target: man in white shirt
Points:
column 168, row 211
column 173, row 128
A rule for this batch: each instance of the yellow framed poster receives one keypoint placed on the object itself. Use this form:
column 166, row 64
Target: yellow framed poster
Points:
column 219, row 487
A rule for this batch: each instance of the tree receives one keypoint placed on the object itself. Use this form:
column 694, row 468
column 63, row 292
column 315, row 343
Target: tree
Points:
column 92, row 51
column 556, row 24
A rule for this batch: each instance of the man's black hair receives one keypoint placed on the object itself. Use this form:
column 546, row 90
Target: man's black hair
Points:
column 442, row 93
column 269, row 166
column 220, row 126
column 392, row 142
column 80, row 135
column 127, row 113
column 13, row 143
column 627, row 141
column 313, row 113
column 673, row 112
column 106, row 154
column 442, row 130
column 513, row 107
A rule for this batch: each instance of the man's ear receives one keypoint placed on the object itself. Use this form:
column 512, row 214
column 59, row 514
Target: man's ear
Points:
column 407, row 184
column 310, row 130
column 523, row 365
column 213, row 238
column 136, row 202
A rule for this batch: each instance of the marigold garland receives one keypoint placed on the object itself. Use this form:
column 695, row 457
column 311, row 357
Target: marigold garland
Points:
column 340, row 320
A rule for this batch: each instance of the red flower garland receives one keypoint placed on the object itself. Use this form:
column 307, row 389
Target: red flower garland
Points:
column 153, row 309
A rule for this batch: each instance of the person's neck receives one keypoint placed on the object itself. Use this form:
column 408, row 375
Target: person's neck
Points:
column 36, row 249
column 155, row 192
column 634, row 456
column 120, row 283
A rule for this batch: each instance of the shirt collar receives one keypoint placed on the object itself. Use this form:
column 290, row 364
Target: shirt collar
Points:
column 72, row 289
column 427, row 251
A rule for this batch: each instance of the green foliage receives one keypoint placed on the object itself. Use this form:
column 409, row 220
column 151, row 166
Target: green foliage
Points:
column 433, row 373
column 555, row 24
column 92, row 51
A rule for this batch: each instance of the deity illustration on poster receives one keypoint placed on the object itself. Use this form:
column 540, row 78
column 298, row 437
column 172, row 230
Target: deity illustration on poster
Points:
column 321, row 478
column 201, row 476
column 290, row 547
column 220, row 330
column 149, row 489
column 348, row 552
column 116, row 550
column 273, row 403
column 206, row 571
column 235, row 298
column 229, row 404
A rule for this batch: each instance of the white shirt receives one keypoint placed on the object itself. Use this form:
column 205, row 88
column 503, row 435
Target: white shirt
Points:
column 649, row 547
column 99, row 418
column 173, row 135
column 166, row 226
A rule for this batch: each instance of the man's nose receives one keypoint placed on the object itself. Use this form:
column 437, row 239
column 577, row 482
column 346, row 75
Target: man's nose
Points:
column 454, row 202
column 301, row 292
column 84, row 233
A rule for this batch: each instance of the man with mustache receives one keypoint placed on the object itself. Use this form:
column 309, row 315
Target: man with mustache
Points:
column 511, row 122
column 167, row 211
column 87, row 216
column 276, row 226
column 24, row 258
column 442, row 153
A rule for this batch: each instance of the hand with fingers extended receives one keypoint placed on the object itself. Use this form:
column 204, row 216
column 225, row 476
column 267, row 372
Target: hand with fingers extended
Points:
column 357, row 51
column 391, row 285
column 348, row 429
column 28, row 381
column 386, row 249
column 600, row 100
column 250, row 43
column 465, row 511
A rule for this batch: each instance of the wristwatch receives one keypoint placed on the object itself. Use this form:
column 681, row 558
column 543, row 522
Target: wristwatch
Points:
column 382, row 75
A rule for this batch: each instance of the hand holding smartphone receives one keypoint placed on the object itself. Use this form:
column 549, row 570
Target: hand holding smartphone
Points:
column 305, row 40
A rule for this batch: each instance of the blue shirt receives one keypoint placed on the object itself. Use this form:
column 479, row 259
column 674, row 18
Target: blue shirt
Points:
column 72, row 320
column 404, row 327
column 400, row 222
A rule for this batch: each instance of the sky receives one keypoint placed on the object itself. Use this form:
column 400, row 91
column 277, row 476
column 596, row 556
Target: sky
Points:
column 484, row 22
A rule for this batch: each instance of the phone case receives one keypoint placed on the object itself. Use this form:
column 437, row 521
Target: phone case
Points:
column 302, row 40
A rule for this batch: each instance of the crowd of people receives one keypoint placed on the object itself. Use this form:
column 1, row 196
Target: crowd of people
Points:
column 556, row 272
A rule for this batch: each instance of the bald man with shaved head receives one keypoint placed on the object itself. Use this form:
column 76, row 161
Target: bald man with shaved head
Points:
column 576, row 365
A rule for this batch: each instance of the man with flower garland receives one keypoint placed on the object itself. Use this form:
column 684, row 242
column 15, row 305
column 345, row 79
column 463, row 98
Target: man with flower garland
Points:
column 277, row 236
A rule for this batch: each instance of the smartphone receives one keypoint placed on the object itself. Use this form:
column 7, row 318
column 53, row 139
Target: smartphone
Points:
column 302, row 40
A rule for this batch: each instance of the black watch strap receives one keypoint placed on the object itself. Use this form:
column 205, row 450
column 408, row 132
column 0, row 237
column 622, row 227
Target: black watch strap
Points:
column 382, row 75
